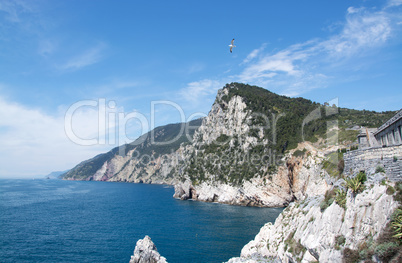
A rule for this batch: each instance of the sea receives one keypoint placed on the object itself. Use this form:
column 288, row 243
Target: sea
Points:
column 77, row 221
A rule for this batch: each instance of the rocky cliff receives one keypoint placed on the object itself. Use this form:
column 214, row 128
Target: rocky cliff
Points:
column 346, row 227
column 297, row 178
column 238, row 153
column 357, row 229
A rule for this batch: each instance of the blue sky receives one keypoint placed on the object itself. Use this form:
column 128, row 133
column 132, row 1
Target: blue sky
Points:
column 57, row 55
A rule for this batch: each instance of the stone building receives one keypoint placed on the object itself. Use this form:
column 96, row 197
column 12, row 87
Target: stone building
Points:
column 390, row 133
column 378, row 148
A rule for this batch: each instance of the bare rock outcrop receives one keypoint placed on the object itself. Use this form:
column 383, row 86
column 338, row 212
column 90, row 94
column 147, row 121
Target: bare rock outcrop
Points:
column 145, row 252
column 296, row 179
column 304, row 233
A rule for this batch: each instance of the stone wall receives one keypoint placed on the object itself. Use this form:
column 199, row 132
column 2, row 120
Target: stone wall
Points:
column 390, row 158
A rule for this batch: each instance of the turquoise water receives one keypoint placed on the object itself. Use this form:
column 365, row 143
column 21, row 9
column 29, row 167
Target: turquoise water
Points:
column 72, row 221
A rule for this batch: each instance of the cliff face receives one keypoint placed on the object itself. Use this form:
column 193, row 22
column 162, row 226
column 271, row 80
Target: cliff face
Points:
column 296, row 179
column 305, row 233
column 233, row 159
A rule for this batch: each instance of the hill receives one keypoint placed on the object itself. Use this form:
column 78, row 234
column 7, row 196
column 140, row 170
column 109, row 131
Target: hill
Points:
column 139, row 160
column 248, row 121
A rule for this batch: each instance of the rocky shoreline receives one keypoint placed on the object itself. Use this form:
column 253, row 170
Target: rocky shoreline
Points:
column 297, row 178
column 306, row 231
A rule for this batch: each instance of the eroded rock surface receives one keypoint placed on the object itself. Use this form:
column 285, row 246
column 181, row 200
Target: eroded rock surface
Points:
column 145, row 252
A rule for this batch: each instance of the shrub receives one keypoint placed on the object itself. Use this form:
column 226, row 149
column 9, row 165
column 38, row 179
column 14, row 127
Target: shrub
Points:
column 340, row 198
column 350, row 256
column 390, row 190
column 299, row 153
column 386, row 251
column 294, row 246
column 396, row 223
column 398, row 195
column 362, row 177
column 272, row 169
column 354, row 184
column 387, row 244
column 339, row 241
column 355, row 147
column 341, row 166
column 380, row 169
column 328, row 199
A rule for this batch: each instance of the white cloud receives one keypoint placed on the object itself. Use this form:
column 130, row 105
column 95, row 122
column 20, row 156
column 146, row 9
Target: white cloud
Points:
column 86, row 58
column 14, row 9
column 254, row 53
column 392, row 3
column 304, row 66
column 196, row 91
column 363, row 30
column 353, row 10
column 34, row 142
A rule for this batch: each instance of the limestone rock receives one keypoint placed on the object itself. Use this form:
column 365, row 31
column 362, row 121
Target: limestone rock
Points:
column 224, row 150
column 145, row 252
column 297, row 179
column 302, row 233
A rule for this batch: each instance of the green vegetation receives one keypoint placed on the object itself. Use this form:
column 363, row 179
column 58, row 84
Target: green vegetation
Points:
column 396, row 223
column 356, row 184
column 362, row 177
column 387, row 247
column 386, row 251
column 334, row 164
column 300, row 116
column 299, row 153
column 398, row 194
column 340, row 198
column 390, row 190
column 339, row 242
column 337, row 195
column 294, row 247
column 389, row 243
column 329, row 198
column 379, row 169
column 347, row 135
column 350, row 256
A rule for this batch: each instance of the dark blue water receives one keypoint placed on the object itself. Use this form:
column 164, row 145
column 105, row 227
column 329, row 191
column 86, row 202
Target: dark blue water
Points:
column 68, row 221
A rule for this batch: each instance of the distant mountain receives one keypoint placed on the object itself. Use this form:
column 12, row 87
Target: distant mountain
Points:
column 147, row 159
column 56, row 175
